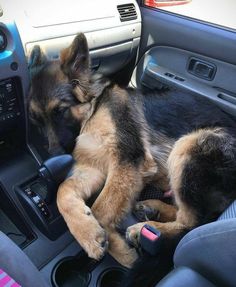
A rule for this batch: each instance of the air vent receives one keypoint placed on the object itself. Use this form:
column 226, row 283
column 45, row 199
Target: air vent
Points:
column 127, row 12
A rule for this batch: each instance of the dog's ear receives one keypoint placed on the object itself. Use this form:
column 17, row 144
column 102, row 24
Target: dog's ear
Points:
column 37, row 60
column 75, row 63
column 75, row 58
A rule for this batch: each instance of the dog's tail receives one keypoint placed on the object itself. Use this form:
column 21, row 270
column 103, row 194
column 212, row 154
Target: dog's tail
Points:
column 149, row 270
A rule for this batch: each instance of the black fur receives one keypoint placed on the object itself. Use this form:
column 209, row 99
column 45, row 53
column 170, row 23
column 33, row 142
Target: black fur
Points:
column 176, row 113
column 130, row 146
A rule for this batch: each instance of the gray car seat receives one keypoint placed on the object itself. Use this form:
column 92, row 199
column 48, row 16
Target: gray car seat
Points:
column 206, row 256
column 15, row 264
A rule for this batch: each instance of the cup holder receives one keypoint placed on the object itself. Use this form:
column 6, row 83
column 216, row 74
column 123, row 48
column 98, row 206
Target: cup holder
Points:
column 111, row 277
column 71, row 272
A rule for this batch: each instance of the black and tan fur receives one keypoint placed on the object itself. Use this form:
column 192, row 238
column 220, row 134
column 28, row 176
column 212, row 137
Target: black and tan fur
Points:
column 122, row 140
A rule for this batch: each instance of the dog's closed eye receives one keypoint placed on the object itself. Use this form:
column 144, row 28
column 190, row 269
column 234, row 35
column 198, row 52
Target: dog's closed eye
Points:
column 59, row 111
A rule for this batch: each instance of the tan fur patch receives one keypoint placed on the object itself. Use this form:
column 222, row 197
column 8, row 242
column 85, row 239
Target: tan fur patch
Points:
column 122, row 186
column 186, row 215
column 96, row 144
column 34, row 108
column 169, row 229
column 52, row 104
column 87, row 180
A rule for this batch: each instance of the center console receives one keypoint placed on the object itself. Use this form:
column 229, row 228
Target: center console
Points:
column 15, row 160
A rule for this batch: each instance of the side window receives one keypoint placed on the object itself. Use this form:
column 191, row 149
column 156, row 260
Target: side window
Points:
column 218, row 12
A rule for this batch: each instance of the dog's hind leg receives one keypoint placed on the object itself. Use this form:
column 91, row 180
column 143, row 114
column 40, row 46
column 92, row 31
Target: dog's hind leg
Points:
column 82, row 224
column 154, row 209
column 123, row 185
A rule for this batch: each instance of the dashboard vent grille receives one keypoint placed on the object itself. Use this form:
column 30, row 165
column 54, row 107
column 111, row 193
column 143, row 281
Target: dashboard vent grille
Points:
column 127, row 12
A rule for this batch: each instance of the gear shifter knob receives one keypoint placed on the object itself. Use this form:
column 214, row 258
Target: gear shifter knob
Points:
column 56, row 168
column 54, row 171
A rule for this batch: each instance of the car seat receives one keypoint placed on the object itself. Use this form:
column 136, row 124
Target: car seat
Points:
column 16, row 269
column 206, row 256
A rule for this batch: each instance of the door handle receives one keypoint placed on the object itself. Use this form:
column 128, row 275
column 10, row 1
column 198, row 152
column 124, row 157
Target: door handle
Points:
column 201, row 69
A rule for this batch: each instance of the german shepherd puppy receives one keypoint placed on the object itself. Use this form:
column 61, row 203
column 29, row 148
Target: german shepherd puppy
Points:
column 122, row 140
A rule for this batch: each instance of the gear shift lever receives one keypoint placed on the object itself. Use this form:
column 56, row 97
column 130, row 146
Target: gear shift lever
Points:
column 54, row 171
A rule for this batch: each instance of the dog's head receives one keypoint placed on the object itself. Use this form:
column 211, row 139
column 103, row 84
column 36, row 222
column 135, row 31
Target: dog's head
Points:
column 61, row 93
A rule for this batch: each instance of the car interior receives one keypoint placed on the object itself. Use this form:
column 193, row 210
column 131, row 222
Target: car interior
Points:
column 132, row 44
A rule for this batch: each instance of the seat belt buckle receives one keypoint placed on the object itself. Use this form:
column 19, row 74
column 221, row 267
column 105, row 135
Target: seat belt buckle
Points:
column 150, row 239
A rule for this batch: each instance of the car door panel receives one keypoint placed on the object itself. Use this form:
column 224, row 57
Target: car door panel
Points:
column 177, row 52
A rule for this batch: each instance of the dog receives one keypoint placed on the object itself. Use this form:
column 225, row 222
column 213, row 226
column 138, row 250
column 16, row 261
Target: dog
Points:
column 122, row 140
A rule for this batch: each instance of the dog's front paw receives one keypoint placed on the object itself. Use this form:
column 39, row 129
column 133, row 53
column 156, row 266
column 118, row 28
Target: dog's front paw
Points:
column 133, row 233
column 97, row 245
column 91, row 236
column 143, row 211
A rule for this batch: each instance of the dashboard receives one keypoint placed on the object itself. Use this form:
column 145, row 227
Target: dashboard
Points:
column 113, row 30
